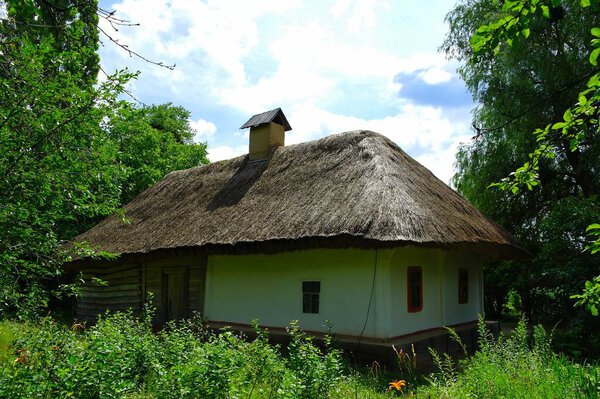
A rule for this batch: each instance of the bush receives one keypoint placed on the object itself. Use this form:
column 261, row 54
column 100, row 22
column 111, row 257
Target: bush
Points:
column 120, row 356
column 515, row 366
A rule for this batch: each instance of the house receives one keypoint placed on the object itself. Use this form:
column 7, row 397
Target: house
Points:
column 347, row 231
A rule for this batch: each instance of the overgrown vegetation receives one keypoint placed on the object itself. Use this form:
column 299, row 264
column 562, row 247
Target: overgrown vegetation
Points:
column 121, row 357
column 73, row 152
column 517, row 365
column 527, row 63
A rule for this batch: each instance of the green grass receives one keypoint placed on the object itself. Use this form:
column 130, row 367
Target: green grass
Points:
column 121, row 357
column 8, row 335
column 518, row 365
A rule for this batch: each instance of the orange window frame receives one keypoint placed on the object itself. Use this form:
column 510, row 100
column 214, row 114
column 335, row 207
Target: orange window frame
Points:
column 414, row 282
column 463, row 286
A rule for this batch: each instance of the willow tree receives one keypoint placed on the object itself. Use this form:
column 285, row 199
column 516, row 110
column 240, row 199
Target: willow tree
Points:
column 527, row 80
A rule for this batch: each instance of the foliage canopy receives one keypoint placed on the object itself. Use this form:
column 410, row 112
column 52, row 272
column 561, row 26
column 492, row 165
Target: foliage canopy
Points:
column 527, row 63
column 70, row 147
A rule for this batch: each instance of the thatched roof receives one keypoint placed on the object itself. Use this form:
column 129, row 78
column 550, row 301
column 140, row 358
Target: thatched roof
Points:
column 351, row 189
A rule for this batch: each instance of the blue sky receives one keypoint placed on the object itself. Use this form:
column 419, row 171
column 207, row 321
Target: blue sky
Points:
column 332, row 66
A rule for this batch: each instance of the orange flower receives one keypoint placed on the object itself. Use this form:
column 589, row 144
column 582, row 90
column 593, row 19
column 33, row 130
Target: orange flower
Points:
column 397, row 385
column 23, row 354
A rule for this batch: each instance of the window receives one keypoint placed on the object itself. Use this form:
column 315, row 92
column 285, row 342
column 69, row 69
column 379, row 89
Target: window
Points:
column 463, row 285
column 310, row 296
column 414, row 281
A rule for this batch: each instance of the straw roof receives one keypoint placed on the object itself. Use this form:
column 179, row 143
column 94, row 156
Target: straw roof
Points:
column 351, row 189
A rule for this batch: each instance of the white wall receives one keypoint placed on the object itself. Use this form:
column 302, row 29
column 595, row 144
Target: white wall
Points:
column 430, row 260
column 269, row 288
column 456, row 313
column 440, row 289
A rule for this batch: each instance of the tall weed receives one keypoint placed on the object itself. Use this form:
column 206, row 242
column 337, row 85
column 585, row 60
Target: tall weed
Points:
column 517, row 365
column 120, row 356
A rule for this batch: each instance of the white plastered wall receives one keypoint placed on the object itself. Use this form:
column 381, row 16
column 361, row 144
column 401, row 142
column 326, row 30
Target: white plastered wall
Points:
column 440, row 289
column 456, row 313
column 268, row 288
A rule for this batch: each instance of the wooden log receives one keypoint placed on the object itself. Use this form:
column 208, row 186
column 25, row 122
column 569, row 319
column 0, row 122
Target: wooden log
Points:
column 112, row 269
column 113, row 288
column 108, row 298
column 116, row 275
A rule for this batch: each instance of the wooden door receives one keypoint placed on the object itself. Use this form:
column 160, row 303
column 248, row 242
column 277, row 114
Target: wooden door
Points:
column 175, row 288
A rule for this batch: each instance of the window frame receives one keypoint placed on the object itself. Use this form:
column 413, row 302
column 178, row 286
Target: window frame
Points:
column 311, row 293
column 411, row 308
column 463, row 286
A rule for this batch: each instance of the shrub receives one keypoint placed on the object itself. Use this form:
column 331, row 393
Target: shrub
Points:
column 120, row 356
column 516, row 365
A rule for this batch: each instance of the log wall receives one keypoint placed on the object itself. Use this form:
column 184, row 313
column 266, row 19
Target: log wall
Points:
column 129, row 284
column 123, row 291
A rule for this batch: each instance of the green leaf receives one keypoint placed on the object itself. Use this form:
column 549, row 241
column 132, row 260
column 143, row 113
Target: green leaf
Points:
column 526, row 32
column 573, row 144
column 585, row 3
column 594, row 81
column 594, row 226
column 478, row 41
column 556, row 3
column 558, row 126
column 596, row 31
column 546, row 11
column 568, row 115
column 594, row 56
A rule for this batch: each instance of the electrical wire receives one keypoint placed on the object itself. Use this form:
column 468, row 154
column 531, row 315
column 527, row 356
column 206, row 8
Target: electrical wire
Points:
column 370, row 301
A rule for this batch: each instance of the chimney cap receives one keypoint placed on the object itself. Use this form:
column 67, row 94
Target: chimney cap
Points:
column 274, row 116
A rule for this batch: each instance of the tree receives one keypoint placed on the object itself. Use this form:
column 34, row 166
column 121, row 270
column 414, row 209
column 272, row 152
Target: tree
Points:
column 528, row 81
column 580, row 122
column 56, row 166
column 153, row 141
column 63, row 166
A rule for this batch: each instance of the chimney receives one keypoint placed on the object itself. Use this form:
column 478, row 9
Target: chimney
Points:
column 267, row 130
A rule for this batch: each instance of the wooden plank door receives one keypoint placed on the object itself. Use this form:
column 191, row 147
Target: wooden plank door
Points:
column 175, row 293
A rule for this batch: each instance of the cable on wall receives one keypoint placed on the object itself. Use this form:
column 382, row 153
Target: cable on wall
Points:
column 370, row 301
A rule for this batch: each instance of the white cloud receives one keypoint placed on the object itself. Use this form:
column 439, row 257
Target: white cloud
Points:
column 246, row 57
column 435, row 75
column 226, row 152
column 219, row 33
column 359, row 15
column 204, row 129
column 412, row 127
column 418, row 130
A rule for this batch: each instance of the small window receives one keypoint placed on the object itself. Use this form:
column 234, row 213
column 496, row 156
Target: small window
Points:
column 310, row 296
column 463, row 285
column 415, row 289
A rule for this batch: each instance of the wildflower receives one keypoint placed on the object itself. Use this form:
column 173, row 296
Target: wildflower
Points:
column 77, row 326
column 397, row 385
column 22, row 358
